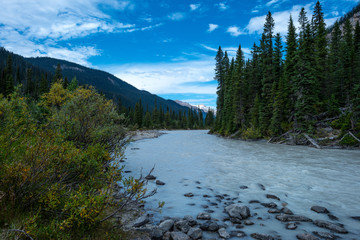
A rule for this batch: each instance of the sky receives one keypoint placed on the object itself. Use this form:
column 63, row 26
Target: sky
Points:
column 164, row 47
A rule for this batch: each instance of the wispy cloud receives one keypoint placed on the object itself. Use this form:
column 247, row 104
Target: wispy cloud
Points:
column 193, row 7
column 164, row 78
column 34, row 28
column 212, row 27
column 177, row 16
column 231, row 50
column 281, row 19
column 234, row 31
column 222, row 6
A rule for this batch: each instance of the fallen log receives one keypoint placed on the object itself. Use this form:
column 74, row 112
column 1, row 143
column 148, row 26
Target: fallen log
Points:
column 354, row 136
column 312, row 141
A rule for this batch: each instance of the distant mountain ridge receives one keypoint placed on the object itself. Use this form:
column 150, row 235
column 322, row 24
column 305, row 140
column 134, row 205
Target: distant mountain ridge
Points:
column 111, row 86
column 201, row 107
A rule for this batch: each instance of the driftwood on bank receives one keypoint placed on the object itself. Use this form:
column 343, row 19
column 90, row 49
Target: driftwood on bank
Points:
column 354, row 136
column 312, row 141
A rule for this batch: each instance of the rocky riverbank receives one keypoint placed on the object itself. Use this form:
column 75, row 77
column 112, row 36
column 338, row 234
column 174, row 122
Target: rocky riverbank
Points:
column 145, row 134
column 238, row 217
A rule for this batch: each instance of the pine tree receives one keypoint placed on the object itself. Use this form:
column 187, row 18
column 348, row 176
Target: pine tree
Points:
column 58, row 74
column 239, row 91
column 219, row 77
column 335, row 82
column 73, row 84
column 43, row 88
column 320, row 50
column 267, row 74
column 228, row 114
column 9, row 79
column 347, row 60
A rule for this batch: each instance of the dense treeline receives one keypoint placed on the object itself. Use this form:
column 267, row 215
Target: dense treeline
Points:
column 314, row 81
column 159, row 118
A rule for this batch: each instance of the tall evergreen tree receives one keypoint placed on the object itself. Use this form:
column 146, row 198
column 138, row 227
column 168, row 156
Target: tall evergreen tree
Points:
column 219, row 77
column 347, row 60
column 335, row 82
column 239, row 91
column 58, row 74
column 9, row 79
column 267, row 74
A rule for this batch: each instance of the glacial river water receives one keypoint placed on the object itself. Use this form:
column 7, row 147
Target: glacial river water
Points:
column 199, row 163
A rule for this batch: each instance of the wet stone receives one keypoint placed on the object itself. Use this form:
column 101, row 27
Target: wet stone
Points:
column 209, row 226
column 223, row 233
column 248, row 223
column 158, row 182
column 188, row 194
column 319, row 209
column 238, row 234
column 332, row 217
column 204, row 206
column 206, row 196
column 271, row 196
column 209, row 211
column 274, row 210
column 254, row 201
column 261, row 236
column 356, row 218
column 287, row 211
column 191, row 204
column 244, row 187
column 306, row 236
column 195, row 233
column 262, row 187
column 326, row 235
column 291, row 226
column 197, row 182
column 235, row 220
column 127, row 171
column 292, row 218
column 203, row 216
column 179, row 236
column 331, row 226
column 150, row 177
column 269, row 205
column 192, row 222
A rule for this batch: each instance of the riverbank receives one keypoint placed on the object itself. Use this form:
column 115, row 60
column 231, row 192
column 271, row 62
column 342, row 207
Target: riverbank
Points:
column 144, row 134
column 205, row 174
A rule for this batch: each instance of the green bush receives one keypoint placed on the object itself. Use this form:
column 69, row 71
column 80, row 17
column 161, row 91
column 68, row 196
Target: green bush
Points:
column 56, row 169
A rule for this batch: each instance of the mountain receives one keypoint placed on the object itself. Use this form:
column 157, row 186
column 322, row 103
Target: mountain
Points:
column 111, row 86
column 201, row 107
column 353, row 16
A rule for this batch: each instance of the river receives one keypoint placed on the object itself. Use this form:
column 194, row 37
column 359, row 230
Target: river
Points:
column 199, row 163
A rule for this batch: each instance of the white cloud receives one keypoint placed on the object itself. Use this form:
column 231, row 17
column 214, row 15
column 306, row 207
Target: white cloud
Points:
column 234, row 31
column 212, row 27
column 281, row 19
column 231, row 50
column 165, row 78
column 268, row 4
column 222, row 6
column 177, row 16
column 34, row 28
column 193, row 7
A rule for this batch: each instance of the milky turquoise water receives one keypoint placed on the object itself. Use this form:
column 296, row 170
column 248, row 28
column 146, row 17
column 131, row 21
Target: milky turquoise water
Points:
column 196, row 162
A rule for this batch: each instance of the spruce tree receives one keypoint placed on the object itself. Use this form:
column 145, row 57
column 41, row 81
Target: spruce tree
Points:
column 58, row 74
column 239, row 91
column 267, row 74
column 320, row 50
column 347, row 60
column 335, row 82
column 219, row 77
column 9, row 79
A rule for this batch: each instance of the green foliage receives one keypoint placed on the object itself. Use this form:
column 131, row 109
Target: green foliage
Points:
column 56, row 163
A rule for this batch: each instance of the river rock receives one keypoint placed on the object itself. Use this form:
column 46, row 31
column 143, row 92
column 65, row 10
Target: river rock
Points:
column 261, row 236
column 141, row 221
column 238, row 234
column 331, row 226
column 306, row 236
column 157, row 234
column 274, row 210
column 287, row 211
column 262, row 187
column 254, row 201
column 238, row 211
column 272, row 197
column 188, row 194
column 326, row 235
column 248, row 223
column 319, row 209
column 158, row 182
column 203, row 216
column 206, row 196
column 356, row 218
column 269, row 205
column 166, row 225
column 223, row 233
column 292, row 218
column 209, row 226
column 291, row 226
column 150, row 177
column 179, row 236
column 243, row 187
column 195, row 233
column 332, row 217
column 182, row 225
column 190, row 220
column 235, row 220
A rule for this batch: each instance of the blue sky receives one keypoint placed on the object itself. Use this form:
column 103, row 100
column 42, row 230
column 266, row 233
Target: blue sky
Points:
column 165, row 47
